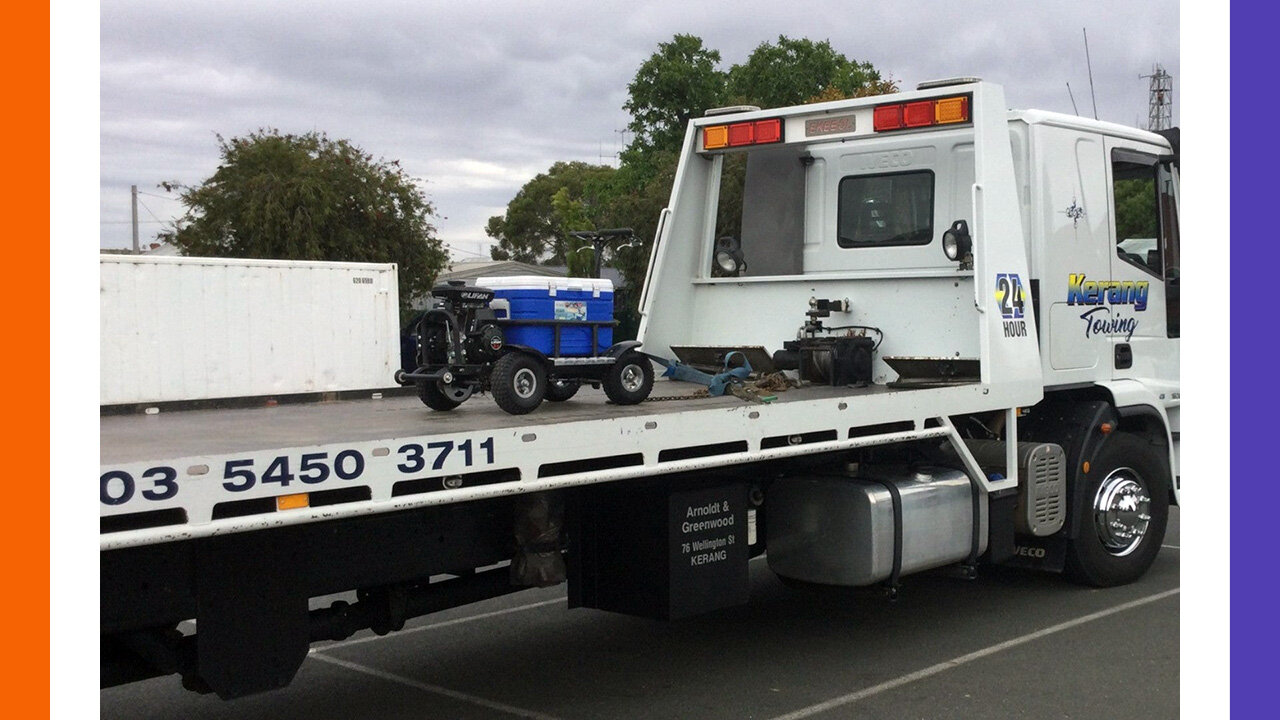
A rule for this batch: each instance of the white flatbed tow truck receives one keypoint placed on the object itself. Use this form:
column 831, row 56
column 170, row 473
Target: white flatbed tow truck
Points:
column 986, row 332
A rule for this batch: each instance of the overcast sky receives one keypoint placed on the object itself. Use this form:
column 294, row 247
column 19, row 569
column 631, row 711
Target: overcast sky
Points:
column 475, row 99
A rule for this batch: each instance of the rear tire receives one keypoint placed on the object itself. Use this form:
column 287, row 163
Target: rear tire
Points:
column 1125, row 514
column 561, row 390
column 629, row 380
column 432, row 396
column 518, row 383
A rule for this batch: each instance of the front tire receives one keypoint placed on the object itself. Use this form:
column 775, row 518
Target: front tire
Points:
column 1126, row 512
column 518, row 382
column 629, row 380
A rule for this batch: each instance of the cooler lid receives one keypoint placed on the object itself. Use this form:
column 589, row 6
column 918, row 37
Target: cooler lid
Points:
column 545, row 283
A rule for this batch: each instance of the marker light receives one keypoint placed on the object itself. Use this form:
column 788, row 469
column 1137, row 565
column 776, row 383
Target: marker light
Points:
column 921, row 113
column 952, row 110
column 715, row 137
column 743, row 134
column 918, row 114
column 293, row 502
column 887, row 117
column 768, row 131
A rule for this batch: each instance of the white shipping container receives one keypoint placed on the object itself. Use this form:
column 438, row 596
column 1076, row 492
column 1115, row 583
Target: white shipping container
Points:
column 185, row 328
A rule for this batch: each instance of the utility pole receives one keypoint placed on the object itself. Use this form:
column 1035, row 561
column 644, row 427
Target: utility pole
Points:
column 134, row 190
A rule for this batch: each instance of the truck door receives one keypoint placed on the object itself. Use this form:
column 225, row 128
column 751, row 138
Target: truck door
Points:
column 1141, row 310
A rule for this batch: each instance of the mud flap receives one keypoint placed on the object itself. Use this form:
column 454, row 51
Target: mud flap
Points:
column 252, row 616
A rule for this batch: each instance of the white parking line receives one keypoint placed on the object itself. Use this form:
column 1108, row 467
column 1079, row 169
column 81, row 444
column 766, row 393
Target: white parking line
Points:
column 1171, row 547
column 434, row 689
column 455, row 621
column 446, row 623
column 964, row 659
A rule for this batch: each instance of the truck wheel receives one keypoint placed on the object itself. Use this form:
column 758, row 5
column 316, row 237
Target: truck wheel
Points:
column 629, row 380
column 561, row 390
column 519, row 383
column 433, row 397
column 1126, row 511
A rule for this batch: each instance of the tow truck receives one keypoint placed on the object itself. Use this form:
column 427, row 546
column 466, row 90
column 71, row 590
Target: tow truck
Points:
column 980, row 306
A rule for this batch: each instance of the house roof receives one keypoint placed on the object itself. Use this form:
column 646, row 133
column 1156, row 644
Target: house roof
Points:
column 489, row 268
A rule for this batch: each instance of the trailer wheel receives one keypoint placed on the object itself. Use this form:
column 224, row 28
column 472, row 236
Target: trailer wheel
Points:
column 561, row 390
column 1127, row 496
column 519, row 383
column 435, row 398
column 629, row 380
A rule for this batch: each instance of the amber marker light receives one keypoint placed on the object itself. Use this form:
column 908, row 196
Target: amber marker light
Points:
column 293, row 502
column 952, row 110
column 716, row 136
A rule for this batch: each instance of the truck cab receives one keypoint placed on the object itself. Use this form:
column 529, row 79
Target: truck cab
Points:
column 1069, row 285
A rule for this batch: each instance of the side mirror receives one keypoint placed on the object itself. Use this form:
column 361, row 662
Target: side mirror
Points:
column 727, row 260
column 956, row 242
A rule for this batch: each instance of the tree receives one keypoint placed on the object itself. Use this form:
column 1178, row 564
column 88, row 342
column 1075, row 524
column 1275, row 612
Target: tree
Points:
column 678, row 82
column 307, row 197
column 571, row 215
column 530, row 231
column 792, row 72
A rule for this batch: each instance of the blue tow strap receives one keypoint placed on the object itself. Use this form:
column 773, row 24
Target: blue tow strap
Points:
column 716, row 384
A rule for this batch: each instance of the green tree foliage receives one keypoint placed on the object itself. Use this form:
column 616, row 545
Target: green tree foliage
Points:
column 678, row 82
column 1136, row 209
column 529, row 231
column 570, row 216
column 307, row 197
column 792, row 72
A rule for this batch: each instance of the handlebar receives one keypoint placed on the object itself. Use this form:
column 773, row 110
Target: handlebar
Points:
column 598, row 234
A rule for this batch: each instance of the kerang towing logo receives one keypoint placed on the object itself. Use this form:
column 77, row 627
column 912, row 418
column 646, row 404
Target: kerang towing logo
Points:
column 1110, row 298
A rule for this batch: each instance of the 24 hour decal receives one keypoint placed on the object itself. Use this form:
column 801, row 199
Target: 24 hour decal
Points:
column 1012, row 300
column 1110, row 300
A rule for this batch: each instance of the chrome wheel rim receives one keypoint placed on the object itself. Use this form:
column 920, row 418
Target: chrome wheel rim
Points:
column 525, row 383
column 632, row 378
column 1122, row 511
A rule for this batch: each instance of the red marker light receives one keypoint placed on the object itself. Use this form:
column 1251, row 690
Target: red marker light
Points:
column 887, row 117
column 918, row 114
column 741, row 134
column 768, row 131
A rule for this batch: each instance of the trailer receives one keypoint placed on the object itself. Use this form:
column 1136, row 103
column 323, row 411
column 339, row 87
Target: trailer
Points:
column 981, row 308
column 182, row 329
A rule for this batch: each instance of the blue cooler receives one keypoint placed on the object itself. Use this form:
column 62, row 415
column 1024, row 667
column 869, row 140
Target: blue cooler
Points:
column 534, row 297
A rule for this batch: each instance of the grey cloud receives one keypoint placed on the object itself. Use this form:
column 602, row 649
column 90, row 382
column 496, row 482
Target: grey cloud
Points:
column 476, row 98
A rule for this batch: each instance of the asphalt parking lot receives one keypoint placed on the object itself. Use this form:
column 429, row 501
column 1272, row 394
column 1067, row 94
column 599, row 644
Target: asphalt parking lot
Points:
column 1007, row 645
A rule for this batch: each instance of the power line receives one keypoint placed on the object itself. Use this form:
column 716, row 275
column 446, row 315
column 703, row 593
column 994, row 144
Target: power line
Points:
column 144, row 205
column 468, row 252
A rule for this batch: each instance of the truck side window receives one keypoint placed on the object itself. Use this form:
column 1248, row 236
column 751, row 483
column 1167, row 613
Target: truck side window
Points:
column 1137, row 222
column 886, row 209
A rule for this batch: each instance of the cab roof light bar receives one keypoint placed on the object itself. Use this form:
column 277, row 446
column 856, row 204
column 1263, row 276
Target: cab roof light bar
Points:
column 921, row 113
column 742, row 134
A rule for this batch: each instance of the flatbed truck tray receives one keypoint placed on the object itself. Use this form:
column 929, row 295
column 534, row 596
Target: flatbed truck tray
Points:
column 181, row 475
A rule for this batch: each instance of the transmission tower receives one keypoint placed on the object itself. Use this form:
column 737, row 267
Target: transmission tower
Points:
column 1160, row 103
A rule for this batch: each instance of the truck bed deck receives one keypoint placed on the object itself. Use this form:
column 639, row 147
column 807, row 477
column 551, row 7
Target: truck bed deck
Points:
column 141, row 438
column 184, row 474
